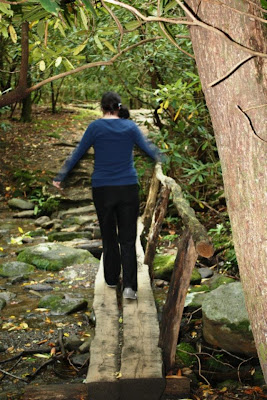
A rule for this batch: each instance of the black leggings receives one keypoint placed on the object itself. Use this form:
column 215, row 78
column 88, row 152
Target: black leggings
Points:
column 117, row 209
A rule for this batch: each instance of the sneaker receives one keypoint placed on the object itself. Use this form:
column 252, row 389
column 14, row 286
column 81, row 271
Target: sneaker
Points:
column 112, row 286
column 129, row 293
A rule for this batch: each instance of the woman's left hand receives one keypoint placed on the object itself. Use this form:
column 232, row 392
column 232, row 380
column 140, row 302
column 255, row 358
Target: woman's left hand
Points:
column 57, row 184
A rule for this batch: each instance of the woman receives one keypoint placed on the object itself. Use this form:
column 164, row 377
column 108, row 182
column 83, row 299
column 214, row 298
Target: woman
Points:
column 115, row 187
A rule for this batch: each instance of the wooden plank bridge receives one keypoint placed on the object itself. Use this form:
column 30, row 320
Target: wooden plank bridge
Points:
column 126, row 362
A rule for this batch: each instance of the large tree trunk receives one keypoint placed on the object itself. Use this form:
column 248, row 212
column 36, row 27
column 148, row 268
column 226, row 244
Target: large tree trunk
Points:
column 237, row 107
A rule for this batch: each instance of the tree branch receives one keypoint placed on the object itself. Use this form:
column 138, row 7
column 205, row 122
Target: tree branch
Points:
column 117, row 21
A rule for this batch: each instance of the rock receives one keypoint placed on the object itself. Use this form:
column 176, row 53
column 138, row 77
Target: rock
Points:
column 205, row 272
column 79, row 220
column 38, row 287
column 65, row 236
column 16, row 268
column 80, row 359
column 54, row 256
column 183, row 357
column 27, row 239
column 7, row 296
column 159, row 283
column 218, row 280
column 42, row 220
column 72, row 342
column 194, row 300
column 62, row 306
column 225, row 320
column 195, row 277
column 93, row 246
column 20, row 204
column 2, row 303
column 163, row 266
column 85, row 347
column 37, row 233
column 25, row 214
column 3, row 347
column 77, row 211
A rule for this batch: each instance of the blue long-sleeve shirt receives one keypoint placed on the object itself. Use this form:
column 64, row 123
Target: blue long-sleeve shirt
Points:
column 113, row 141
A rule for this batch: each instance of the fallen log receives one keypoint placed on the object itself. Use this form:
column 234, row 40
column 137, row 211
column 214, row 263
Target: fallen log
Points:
column 199, row 235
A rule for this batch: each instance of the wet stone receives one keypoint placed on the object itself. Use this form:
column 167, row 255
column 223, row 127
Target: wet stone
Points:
column 38, row 287
column 16, row 268
column 25, row 214
column 73, row 342
column 42, row 220
column 65, row 236
column 7, row 296
column 80, row 360
column 20, row 204
column 2, row 303
column 205, row 272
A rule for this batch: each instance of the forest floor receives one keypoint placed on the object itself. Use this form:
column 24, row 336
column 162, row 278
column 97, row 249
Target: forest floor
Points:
column 30, row 156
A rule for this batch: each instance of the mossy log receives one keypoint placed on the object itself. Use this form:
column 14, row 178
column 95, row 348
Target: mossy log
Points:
column 199, row 235
column 157, row 219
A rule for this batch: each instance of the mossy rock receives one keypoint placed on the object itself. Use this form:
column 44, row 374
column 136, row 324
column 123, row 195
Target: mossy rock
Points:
column 67, row 236
column 58, row 305
column 37, row 233
column 195, row 277
column 163, row 266
column 183, row 357
column 16, row 268
column 219, row 280
column 54, row 256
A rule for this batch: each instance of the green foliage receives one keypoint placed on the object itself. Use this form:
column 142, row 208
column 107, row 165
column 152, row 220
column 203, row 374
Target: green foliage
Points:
column 222, row 239
column 44, row 205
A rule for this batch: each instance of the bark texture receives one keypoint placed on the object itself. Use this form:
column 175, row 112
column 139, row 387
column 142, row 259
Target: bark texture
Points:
column 237, row 106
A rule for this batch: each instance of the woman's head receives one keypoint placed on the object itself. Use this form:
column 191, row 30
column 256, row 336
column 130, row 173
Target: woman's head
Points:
column 111, row 104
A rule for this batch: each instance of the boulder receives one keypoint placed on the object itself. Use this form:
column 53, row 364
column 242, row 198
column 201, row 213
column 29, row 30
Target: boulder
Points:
column 20, row 204
column 16, row 268
column 54, row 256
column 225, row 320
column 59, row 305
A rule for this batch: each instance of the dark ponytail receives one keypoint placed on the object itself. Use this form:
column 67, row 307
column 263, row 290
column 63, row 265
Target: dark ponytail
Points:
column 111, row 102
column 124, row 112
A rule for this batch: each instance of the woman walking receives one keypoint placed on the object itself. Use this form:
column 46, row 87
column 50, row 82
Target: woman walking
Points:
column 115, row 187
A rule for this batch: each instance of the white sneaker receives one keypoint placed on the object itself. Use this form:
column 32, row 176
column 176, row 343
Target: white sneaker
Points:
column 129, row 293
column 112, row 286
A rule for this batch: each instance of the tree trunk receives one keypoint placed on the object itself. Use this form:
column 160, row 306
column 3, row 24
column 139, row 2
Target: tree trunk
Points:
column 237, row 106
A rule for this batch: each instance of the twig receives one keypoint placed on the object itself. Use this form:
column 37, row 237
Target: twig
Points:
column 257, row 6
column 117, row 21
column 13, row 376
column 192, row 313
column 210, row 355
column 199, row 370
column 238, row 368
column 50, row 361
column 225, row 351
column 250, row 123
column 60, row 340
column 229, row 73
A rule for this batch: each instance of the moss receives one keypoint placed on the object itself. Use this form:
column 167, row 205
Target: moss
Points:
column 200, row 288
column 182, row 354
column 220, row 280
column 163, row 266
column 195, row 277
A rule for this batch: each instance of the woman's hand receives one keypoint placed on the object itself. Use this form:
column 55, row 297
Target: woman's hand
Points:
column 57, row 184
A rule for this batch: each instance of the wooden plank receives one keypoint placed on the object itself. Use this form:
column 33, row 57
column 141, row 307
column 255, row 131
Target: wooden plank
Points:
column 141, row 356
column 73, row 391
column 105, row 345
